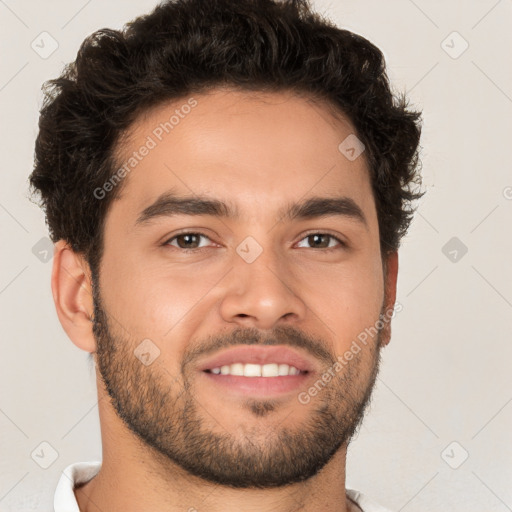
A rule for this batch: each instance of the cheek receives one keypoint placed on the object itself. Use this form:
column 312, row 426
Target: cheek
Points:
column 347, row 300
column 158, row 302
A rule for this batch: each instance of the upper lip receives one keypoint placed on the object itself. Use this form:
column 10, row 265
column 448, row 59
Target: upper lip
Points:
column 259, row 355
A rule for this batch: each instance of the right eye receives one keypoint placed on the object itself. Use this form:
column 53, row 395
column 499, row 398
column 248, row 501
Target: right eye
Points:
column 186, row 241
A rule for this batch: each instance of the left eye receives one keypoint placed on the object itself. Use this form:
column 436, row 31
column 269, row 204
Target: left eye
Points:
column 316, row 240
column 191, row 241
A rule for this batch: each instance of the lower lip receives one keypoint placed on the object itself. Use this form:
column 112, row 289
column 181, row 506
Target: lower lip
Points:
column 258, row 386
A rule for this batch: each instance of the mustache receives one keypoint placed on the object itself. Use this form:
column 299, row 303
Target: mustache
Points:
column 281, row 335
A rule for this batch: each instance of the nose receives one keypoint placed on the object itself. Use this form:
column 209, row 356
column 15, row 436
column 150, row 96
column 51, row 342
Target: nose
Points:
column 262, row 294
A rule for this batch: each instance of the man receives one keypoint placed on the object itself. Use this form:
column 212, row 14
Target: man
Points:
column 226, row 184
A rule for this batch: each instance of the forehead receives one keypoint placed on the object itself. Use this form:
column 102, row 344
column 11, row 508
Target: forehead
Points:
column 244, row 148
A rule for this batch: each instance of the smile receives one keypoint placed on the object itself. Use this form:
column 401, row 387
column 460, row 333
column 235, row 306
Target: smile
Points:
column 257, row 370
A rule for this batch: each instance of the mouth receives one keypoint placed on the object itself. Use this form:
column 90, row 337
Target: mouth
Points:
column 258, row 370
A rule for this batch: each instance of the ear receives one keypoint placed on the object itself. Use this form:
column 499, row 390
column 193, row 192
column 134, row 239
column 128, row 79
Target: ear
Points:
column 390, row 279
column 72, row 294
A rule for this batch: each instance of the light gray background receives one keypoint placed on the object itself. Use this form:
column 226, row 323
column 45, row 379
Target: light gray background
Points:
column 446, row 376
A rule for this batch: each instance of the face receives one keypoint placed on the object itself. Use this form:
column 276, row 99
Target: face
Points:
column 190, row 288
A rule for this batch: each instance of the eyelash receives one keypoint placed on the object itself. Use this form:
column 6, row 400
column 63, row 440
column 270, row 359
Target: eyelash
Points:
column 343, row 245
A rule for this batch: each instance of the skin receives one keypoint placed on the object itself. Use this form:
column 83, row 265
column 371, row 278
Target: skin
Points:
column 251, row 150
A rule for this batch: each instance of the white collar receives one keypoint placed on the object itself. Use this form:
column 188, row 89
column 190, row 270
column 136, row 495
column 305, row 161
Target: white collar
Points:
column 64, row 499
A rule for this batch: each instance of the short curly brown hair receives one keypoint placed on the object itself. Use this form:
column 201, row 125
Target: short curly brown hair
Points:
column 190, row 46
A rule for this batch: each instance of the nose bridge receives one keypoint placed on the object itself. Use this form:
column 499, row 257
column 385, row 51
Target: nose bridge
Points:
column 260, row 291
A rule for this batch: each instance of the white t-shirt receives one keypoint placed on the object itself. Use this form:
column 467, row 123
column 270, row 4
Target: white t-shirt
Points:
column 81, row 472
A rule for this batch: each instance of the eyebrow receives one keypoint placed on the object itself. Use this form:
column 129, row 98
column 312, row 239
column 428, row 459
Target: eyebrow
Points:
column 169, row 204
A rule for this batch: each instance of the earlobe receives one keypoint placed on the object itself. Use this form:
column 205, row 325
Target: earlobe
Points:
column 72, row 295
column 389, row 295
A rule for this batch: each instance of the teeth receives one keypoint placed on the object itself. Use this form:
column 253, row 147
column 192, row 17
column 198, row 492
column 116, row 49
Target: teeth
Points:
column 256, row 370
column 252, row 370
column 270, row 370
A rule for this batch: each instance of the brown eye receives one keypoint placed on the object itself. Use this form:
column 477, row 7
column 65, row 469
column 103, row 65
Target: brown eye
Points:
column 323, row 241
column 186, row 241
column 317, row 241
